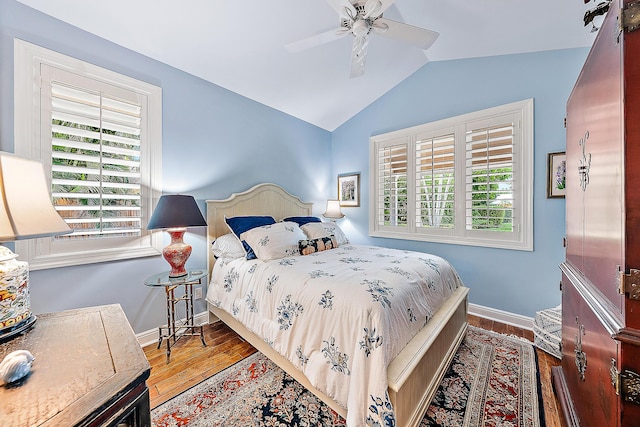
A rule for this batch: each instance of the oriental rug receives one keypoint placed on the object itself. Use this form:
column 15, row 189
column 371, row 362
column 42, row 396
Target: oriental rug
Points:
column 492, row 381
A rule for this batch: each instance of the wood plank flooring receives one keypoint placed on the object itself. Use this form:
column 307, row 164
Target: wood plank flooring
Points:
column 192, row 363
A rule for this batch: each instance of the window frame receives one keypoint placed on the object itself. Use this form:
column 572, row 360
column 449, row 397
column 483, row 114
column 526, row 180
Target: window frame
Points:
column 33, row 140
column 523, row 142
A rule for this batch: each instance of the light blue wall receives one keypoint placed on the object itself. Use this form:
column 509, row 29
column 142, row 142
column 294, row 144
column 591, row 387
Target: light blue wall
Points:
column 215, row 142
column 515, row 281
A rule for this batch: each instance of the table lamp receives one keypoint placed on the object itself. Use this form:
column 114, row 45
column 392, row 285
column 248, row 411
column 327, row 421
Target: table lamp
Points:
column 333, row 211
column 175, row 213
column 26, row 212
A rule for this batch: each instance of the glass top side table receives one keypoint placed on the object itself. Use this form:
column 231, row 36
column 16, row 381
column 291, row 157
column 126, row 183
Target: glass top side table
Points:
column 176, row 328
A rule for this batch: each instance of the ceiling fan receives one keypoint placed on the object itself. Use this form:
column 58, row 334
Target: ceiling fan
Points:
column 361, row 18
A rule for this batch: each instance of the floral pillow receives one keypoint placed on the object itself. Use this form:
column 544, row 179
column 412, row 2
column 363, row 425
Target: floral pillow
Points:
column 241, row 224
column 320, row 244
column 314, row 230
column 274, row 241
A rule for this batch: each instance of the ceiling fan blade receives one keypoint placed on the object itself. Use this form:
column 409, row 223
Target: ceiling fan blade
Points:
column 359, row 55
column 340, row 5
column 317, row 40
column 379, row 26
column 400, row 31
column 374, row 8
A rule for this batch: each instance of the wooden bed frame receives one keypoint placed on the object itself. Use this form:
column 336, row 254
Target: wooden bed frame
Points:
column 413, row 376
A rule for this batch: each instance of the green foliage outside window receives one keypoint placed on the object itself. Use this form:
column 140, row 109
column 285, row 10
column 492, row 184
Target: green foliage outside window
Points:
column 436, row 200
column 489, row 212
column 395, row 200
column 98, row 184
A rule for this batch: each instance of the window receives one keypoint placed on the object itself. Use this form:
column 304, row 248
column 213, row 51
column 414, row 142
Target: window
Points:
column 465, row 180
column 98, row 135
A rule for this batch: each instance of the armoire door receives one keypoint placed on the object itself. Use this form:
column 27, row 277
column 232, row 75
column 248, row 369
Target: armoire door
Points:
column 595, row 208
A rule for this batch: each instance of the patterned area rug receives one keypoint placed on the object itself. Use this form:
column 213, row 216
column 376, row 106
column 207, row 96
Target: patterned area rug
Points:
column 492, row 381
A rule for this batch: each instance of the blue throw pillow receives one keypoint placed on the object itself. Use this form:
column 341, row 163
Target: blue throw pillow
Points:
column 302, row 220
column 240, row 224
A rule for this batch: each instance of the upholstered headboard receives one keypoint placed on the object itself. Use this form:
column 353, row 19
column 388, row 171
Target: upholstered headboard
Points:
column 263, row 199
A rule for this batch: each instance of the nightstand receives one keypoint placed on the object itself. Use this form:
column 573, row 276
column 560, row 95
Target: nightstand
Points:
column 89, row 370
column 176, row 328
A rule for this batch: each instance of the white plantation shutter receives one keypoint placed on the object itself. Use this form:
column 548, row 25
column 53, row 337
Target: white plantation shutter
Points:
column 467, row 180
column 489, row 180
column 392, row 182
column 95, row 150
column 435, row 181
column 99, row 136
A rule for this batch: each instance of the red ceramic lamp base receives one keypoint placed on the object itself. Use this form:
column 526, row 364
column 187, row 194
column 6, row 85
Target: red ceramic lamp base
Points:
column 177, row 252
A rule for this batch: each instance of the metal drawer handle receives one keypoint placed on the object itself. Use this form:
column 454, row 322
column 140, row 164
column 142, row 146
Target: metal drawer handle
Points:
column 581, row 356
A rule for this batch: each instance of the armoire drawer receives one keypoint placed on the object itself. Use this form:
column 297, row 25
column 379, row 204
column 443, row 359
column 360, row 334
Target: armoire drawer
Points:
column 588, row 353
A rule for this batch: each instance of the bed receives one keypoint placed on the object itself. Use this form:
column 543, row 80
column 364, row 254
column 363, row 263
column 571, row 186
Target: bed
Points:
column 414, row 370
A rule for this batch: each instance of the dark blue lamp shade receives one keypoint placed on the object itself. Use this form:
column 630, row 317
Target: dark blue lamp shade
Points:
column 175, row 213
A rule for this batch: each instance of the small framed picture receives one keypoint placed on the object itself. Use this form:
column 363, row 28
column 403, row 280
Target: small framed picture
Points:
column 349, row 189
column 556, row 174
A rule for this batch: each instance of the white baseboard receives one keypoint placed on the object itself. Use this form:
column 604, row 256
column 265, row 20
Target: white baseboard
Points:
column 151, row 336
column 505, row 317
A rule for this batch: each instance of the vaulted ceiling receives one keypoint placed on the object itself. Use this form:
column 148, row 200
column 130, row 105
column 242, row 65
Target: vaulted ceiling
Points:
column 239, row 45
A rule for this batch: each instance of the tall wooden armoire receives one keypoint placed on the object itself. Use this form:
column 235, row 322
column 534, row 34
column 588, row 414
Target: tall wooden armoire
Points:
column 598, row 383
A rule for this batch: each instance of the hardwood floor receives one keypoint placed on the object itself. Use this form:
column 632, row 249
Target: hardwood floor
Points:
column 191, row 363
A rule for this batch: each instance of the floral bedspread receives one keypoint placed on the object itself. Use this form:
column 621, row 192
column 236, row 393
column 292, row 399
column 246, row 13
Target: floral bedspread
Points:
column 339, row 315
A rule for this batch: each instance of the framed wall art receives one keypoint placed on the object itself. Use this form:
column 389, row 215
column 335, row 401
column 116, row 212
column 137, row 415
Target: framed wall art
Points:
column 349, row 189
column 556, row 174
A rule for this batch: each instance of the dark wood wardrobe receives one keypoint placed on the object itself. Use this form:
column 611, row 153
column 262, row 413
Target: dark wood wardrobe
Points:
column 598, row 382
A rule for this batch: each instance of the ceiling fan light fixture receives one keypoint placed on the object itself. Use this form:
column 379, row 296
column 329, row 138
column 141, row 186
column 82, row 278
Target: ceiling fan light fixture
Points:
column 360, row 28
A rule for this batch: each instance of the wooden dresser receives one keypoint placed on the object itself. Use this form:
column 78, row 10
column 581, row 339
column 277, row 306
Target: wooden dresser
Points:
column 89, row 370
column 598, row 383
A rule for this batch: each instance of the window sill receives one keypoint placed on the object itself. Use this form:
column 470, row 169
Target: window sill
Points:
column 457, row 240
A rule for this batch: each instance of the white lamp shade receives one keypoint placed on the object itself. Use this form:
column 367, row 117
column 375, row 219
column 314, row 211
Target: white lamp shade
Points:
column 26, row 210
column 333, row 210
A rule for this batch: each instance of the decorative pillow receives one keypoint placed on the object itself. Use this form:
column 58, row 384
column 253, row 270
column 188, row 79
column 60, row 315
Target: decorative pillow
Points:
column 314, row 230
column 240, row 224
column 320, row 244
column 275, row 240
column 227, row 246
column 302, row 220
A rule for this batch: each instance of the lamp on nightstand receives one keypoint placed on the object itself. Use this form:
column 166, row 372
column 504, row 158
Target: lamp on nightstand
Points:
column 333, row 211
column 175, row 213
column 26, row 212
